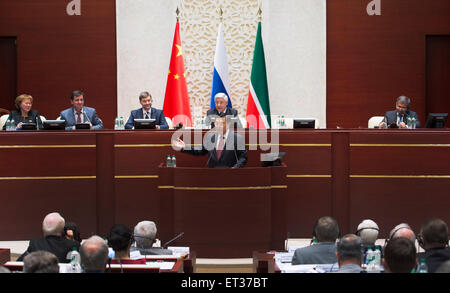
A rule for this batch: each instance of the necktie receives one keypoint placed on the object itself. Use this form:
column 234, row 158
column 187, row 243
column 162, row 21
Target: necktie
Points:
column 147, row 116
column 220, row 146
column 78, row 117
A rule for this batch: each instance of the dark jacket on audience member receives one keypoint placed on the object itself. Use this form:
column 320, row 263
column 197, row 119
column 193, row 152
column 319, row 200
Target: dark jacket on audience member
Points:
column 434, row 258
column 320, row 253
column 59, row 246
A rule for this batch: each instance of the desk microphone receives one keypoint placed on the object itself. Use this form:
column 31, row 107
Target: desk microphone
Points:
column 87, row 118
column 173, row 239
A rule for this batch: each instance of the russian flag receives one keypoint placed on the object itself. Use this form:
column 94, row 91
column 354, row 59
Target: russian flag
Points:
column 220, row 80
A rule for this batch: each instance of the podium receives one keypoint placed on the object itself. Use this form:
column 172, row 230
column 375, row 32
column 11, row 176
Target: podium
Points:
column 224, row 213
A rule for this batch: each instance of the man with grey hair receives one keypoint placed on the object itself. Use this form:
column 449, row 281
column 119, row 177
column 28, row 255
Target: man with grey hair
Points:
column 349, row 254
column 147, row 112
column 54, row 240
column 94, row 255
column 41, row 262
column 368, row 231
column 144, row 236
column 221, row 110
column 398, row 118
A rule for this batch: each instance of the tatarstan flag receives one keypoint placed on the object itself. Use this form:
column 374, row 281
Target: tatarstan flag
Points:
column 176, row 101
column 258, row 108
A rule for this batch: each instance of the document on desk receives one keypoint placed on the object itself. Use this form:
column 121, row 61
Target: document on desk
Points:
column 162, row 265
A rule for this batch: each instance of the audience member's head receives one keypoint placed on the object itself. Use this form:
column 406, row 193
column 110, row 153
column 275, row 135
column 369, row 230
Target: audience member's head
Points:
column 120, row 238
column 368, row 231
column 4, row 270
column 72, row 232
column 403, row 230
column 399, row 255
column 326, row 229
column 145, row 234
column 53, row 225
column 444, row 267
column 349, row 250
column 40, row 262
column 94, row 254
column 433, row 234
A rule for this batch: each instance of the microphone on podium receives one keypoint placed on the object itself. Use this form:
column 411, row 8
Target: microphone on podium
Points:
column 173, row 239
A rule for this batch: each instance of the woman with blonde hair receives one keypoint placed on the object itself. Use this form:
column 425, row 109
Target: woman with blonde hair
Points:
column 23, row 113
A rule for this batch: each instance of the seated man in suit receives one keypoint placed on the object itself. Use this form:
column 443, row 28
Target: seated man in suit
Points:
column 54, row 240
column 79, row 114
column 399, row 116
column 147, row 112
column 221, row 109
column 225, row 148
column 144, row 236
column 326, row 231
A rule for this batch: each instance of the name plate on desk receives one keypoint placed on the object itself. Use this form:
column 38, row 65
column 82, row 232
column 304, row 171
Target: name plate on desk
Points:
column 178, row 250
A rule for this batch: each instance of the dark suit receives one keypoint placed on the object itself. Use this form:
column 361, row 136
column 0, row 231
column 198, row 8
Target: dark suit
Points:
column 156, row 114
column 392, row 117
column 33, row 116
column 59, row 246
column 228, row 112
column 233, row 155
column 434, row 258
column 320, row 253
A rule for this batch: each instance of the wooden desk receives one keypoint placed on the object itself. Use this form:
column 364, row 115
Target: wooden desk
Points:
column 264, row 263
column 99, row 178
column 221, row 208
column 5, row 255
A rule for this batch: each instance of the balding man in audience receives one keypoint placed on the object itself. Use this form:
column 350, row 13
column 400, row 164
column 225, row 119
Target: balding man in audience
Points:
column 53, row 240
column 144, row 236
column 94, row 255
column 349, row 254
column 403, row 230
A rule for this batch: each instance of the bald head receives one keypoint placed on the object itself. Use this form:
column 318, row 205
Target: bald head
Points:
column 53, row 225
column 403, row 230
column 94, row 254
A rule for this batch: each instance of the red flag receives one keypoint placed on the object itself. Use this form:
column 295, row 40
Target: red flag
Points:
column 176, row 101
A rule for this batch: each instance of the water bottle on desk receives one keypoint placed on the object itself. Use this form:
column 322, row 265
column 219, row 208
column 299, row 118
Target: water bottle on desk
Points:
column 413, row 123
column 8, row 125
column 168, row 161
column 12, row 125
column 422, row 268
column 174, row 161
column 75, row 258
column 116, row 124
column 121, row 123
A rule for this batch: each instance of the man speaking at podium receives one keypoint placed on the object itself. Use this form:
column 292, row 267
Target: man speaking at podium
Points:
column 225, row 148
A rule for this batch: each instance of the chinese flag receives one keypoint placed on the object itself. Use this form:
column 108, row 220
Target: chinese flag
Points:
column 176, row 101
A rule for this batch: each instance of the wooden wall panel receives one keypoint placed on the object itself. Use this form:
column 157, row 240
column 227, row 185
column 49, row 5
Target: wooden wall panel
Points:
column 58, row 53
column 371, row 60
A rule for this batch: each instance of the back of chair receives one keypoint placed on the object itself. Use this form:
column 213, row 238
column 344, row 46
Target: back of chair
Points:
column 169, row 122
column 3, row 120
column 3, row 111
column 374, row 121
